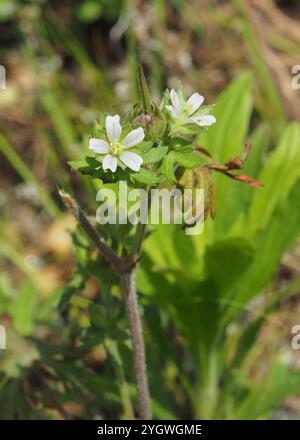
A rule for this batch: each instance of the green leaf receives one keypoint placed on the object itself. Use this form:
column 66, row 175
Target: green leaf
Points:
column 146, row 176
column 25, row 173
column 179, row 142
column 167, row 167
column 224, row 140
column 99, row 317
column 87, row 166
column 279, row 234
column 187, row 149
column 92, row 167
column 24, row 308
column 75, row 285
column 227, row 260
column 188, row 160
column 109, row 177
column 280, row 172
column 87, row 161
column 155, row 155
column 145, row 146
column 280, row 383
column 77, row 164
column 260, row 140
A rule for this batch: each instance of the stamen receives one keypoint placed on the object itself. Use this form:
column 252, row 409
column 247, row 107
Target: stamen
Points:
column 115, row 148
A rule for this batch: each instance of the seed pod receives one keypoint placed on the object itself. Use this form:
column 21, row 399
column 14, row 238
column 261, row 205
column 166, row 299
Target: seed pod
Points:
column 201, row 178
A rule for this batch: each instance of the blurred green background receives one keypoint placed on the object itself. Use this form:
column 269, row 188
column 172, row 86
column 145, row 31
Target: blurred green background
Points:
column 219, row 308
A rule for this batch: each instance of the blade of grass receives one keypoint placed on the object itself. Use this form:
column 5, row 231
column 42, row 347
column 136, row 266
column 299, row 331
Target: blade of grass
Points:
column 24, row 172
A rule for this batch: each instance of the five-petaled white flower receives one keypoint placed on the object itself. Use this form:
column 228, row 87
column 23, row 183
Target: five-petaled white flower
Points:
column 183, row 111
column 116, row 149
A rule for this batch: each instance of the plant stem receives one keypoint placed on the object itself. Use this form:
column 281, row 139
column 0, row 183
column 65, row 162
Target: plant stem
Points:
column 125, row 268
column 119, row 264
column 140, row 232
column 138, row 344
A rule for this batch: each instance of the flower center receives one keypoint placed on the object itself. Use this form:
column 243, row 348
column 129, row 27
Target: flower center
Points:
column 187, row 109
column 115, row 148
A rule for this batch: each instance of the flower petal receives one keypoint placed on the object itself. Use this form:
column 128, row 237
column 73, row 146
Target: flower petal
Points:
column 175, row 100
column 98, row 146
column 113, row 128
column 173, row 111
column 132, row 160
column 194, row 102
column 134, row 137
column 110, row 163
column 204, row 120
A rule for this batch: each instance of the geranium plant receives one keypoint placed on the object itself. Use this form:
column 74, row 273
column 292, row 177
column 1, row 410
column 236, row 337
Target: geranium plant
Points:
column 153, row 146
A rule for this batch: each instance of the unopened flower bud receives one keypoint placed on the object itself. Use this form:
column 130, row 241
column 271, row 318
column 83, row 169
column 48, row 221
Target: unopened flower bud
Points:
column 153, row 122
column 147, row 114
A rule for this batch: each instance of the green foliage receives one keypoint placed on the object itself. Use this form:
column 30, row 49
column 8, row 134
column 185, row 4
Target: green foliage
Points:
column 194, row 285
column 229, row 265
column 24, row 309
column 155, row 155
column 203, row 330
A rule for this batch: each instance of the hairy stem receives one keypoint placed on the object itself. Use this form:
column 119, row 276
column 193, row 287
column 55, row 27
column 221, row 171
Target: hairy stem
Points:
column 138, row 344
column 119, row 264
column 125, row 268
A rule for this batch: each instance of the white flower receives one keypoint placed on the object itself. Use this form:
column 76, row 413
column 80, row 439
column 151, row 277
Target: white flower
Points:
column 116, row 149
column 183, row 111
